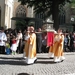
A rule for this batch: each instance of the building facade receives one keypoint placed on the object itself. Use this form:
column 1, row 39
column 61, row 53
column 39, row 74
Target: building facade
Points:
column 13, row 8
column 6, row 8
column 21, row 11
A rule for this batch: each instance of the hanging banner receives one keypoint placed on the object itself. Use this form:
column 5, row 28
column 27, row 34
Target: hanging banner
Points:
column 50, row 38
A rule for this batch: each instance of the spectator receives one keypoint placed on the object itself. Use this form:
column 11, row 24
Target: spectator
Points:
column 72, row 39
column 44, row 43
column 19, row 42
column 39, row 40
column 3, row 39
column 7, row 48
column 14, row 45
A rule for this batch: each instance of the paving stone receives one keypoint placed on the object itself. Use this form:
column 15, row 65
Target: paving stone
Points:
column 14, row 65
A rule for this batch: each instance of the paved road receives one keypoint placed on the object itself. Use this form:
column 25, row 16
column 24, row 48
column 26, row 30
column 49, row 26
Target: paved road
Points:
column 14, row 65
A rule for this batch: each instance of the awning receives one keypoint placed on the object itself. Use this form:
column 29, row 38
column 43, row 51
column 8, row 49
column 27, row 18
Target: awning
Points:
column 26, row 18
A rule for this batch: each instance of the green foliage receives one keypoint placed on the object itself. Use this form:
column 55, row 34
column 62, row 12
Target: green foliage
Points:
column 73, row 3
column 47, row 7
column 42, row 6
column 20, row 24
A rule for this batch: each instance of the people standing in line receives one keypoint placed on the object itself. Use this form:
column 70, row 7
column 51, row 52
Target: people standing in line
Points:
column 58, row 46
column 3, row 39
column 14, row 45
column 31, row 51
column 39, row 40
column 72, row 41
column 66, row 42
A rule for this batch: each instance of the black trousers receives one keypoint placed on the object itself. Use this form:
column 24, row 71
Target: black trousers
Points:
column 45, row 49
column 19, row 48
column 2, row 49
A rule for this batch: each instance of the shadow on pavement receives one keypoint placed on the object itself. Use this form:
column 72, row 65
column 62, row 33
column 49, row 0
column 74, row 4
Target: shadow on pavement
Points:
column 23, row 74
column 13, row 62
column 20, row 61
column 14, row 58
column 43, row 58
column 44, row 62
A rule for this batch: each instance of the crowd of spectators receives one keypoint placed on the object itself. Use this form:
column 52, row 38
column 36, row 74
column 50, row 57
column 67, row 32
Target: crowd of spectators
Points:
column 12, row 41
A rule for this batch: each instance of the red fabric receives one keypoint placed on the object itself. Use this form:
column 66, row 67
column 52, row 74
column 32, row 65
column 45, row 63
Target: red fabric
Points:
column 50, row 38
column 13, row 41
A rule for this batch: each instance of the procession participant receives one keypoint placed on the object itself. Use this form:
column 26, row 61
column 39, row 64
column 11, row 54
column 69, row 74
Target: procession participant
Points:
column 31, row 49
column 58, row 46
column 51, row 50
column 3, row 39
column 26, row 38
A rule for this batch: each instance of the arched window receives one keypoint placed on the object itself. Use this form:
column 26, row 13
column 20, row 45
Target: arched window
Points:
column 21, row 11
column 61, row 15
column 40, row 23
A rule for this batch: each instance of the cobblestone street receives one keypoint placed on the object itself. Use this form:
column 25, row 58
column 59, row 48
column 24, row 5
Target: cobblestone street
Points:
column 14, row 65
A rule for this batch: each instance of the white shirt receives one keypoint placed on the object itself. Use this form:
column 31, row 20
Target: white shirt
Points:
column 19, row 36
column 27, row 37
column 3, row 38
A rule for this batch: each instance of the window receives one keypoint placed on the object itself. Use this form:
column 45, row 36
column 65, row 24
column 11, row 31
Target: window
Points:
column 21, row 12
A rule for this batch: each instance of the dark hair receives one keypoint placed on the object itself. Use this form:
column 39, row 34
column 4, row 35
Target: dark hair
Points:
column 59, row 29
column 14, row 36
column 1, row 28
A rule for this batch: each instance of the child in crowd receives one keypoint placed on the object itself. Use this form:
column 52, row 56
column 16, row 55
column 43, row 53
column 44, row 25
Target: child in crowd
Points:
column 7, row 48
column 14, row 45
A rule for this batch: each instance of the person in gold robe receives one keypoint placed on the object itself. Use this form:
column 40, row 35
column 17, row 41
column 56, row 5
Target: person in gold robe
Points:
column 30, row 47
column 51, row 49
column 26, row 38
column 58, row 46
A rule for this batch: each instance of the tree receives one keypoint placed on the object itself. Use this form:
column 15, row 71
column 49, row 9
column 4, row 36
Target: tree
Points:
column 46, row 6
column 20, row 24
column 73, row 4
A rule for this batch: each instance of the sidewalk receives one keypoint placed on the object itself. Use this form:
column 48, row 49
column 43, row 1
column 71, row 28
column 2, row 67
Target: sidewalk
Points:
column 14, row 65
